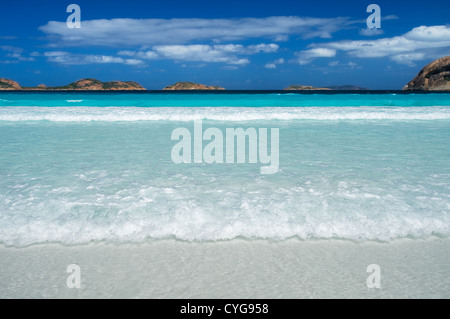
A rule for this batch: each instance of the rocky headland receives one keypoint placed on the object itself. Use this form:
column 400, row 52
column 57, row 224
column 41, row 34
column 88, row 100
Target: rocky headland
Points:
column 433, row 77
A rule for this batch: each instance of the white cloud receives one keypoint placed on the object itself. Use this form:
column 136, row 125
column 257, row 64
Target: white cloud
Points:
column 266, row 48
column 202, row 52
column 14, row 53
column 222, row 53
column 429, row 34
column 408, row 58
column 147, row 55
column 148, row 32
column 73, row 59
column 231, row 54
column 351, row 65
column 55, row 53
column 273, row 64
column 418, row 44
column 307, row 56
column 109, row 59
column 390, row 17
column 368, row 32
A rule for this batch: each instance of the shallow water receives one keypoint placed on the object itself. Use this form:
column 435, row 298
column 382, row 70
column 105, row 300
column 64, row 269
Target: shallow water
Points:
column 88, row 173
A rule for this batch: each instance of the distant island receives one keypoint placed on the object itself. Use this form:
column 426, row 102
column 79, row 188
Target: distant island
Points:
column 304, row 88
column 433, row 77
column 191, row 86
column 81, row 85
column 312, row 88
column 347, row 88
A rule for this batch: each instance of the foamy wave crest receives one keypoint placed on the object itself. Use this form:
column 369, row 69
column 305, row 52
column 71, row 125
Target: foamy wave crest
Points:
column 130, row 114
column 74, row 216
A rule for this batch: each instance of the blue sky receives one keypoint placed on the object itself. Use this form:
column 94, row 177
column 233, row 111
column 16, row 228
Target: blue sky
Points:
column 234, row 44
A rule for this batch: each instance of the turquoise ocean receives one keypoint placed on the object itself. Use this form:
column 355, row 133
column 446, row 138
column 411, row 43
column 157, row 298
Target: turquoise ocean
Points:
column 84, row 167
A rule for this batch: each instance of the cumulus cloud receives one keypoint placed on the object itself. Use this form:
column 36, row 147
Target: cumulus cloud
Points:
column 148, row 32
column 418, row 44
column 429, row 34
column 307, row 56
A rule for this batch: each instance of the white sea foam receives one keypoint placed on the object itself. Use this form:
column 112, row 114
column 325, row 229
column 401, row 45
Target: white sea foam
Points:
column 130, row 114
column 72, row 215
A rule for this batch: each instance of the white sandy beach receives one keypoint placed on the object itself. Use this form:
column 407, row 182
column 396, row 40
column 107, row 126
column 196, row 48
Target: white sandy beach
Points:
column 229, row 269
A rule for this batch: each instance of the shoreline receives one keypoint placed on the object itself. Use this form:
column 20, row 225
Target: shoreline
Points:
column 269, row 241
column 410, row 268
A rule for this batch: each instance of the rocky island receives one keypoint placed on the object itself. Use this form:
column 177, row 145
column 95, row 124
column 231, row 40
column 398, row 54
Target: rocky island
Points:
column 191, row 86
column 433, row 77
column 81, row 85
column 347, row 87
column 304, row 88
column 312, row 88
column 6, row 84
